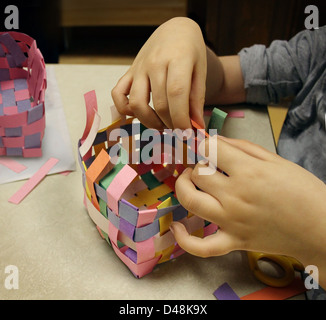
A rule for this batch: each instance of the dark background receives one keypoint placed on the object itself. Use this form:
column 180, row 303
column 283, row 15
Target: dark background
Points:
column 227, row 26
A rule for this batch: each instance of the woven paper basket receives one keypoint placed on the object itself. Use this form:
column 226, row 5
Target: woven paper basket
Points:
column 132, row 204
column 22, row 91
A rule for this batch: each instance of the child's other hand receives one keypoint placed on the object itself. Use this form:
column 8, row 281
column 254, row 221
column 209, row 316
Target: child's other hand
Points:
column 265, row 204
column 172, row 66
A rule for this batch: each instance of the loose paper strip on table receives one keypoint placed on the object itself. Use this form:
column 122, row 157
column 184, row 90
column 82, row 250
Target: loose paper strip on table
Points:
column 33, row 181
column 12, row 164
column 270, row 293
column 225, row 292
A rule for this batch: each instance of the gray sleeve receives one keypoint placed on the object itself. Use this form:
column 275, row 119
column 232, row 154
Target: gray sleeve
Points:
column 280, row 71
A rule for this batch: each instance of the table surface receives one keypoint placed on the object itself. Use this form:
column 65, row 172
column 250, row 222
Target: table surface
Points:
column 54, row 244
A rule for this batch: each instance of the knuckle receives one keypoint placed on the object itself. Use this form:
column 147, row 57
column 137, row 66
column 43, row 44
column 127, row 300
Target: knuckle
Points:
column 186, row 200
column 176, row 90
column 200, row 100
column 161, row 106
column 114, row 91
column 133, row 104
column 195, row 175
column 154, row 63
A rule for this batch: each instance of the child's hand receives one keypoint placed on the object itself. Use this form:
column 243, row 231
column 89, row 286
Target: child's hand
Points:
column 172, row 66
column 265, row 204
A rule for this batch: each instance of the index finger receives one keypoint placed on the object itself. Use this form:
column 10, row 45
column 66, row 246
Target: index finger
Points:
column 224, row 155
column 178, row 93
column 120, row 94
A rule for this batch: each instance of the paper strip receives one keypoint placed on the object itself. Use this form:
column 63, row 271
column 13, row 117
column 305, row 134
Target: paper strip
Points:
column 96, row 216
column 88, row 142
column 145, row 250
column 99, row 168
column 225, row 292
column 12, row 165
column 217, row 120
column 33, row 181
column 91, row 107
column 271, row 293
column 236, row 114
column 118, row 186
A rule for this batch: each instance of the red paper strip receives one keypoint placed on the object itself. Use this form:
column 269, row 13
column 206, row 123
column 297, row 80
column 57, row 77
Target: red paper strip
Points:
column 271, row 293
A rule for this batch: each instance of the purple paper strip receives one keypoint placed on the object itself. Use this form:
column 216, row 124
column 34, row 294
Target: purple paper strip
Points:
column 128, row 211
column 35, row 113
column 127, row 228
column 225, row 292
column 179, row 213
column 8, row 98
column 4, row 74
column 13, row 152
column 13, row 132
column 13, row 48
column 33, row 140
column 20, row 84
column 131, row 254
column 1, row 109
column 23, row 105
column 2, row 52
column 146, row 232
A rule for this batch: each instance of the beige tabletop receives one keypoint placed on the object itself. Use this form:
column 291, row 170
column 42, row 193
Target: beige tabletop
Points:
column 55, row 246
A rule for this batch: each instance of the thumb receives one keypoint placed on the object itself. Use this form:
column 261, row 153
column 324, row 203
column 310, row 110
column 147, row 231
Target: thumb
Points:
column 216, row 244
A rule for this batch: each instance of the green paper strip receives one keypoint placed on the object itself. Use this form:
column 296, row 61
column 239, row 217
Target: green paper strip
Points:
column 217, row 120
column 106, row 181
column 150, row 180
column 173, row 199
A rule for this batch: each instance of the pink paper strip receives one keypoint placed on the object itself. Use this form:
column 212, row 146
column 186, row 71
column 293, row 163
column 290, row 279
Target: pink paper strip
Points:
column 91, row 107
column 32, row 153
column 4, row 63
column 8, row 111
column 146, row 217
column 6, row 85
column 22, row 95
column 118, row 186
column 65, row 173
column 138, row 269
column 37, row 126
column 12, row 165
column 145, row 250
column 33, row 181
column 236, row 114
column 16, row 120
column 13, row 142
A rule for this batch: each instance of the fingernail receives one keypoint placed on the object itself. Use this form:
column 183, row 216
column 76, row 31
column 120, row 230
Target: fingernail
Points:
column 202, row 162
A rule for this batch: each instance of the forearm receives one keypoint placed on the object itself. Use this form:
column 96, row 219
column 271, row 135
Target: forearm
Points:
column 224, row 82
